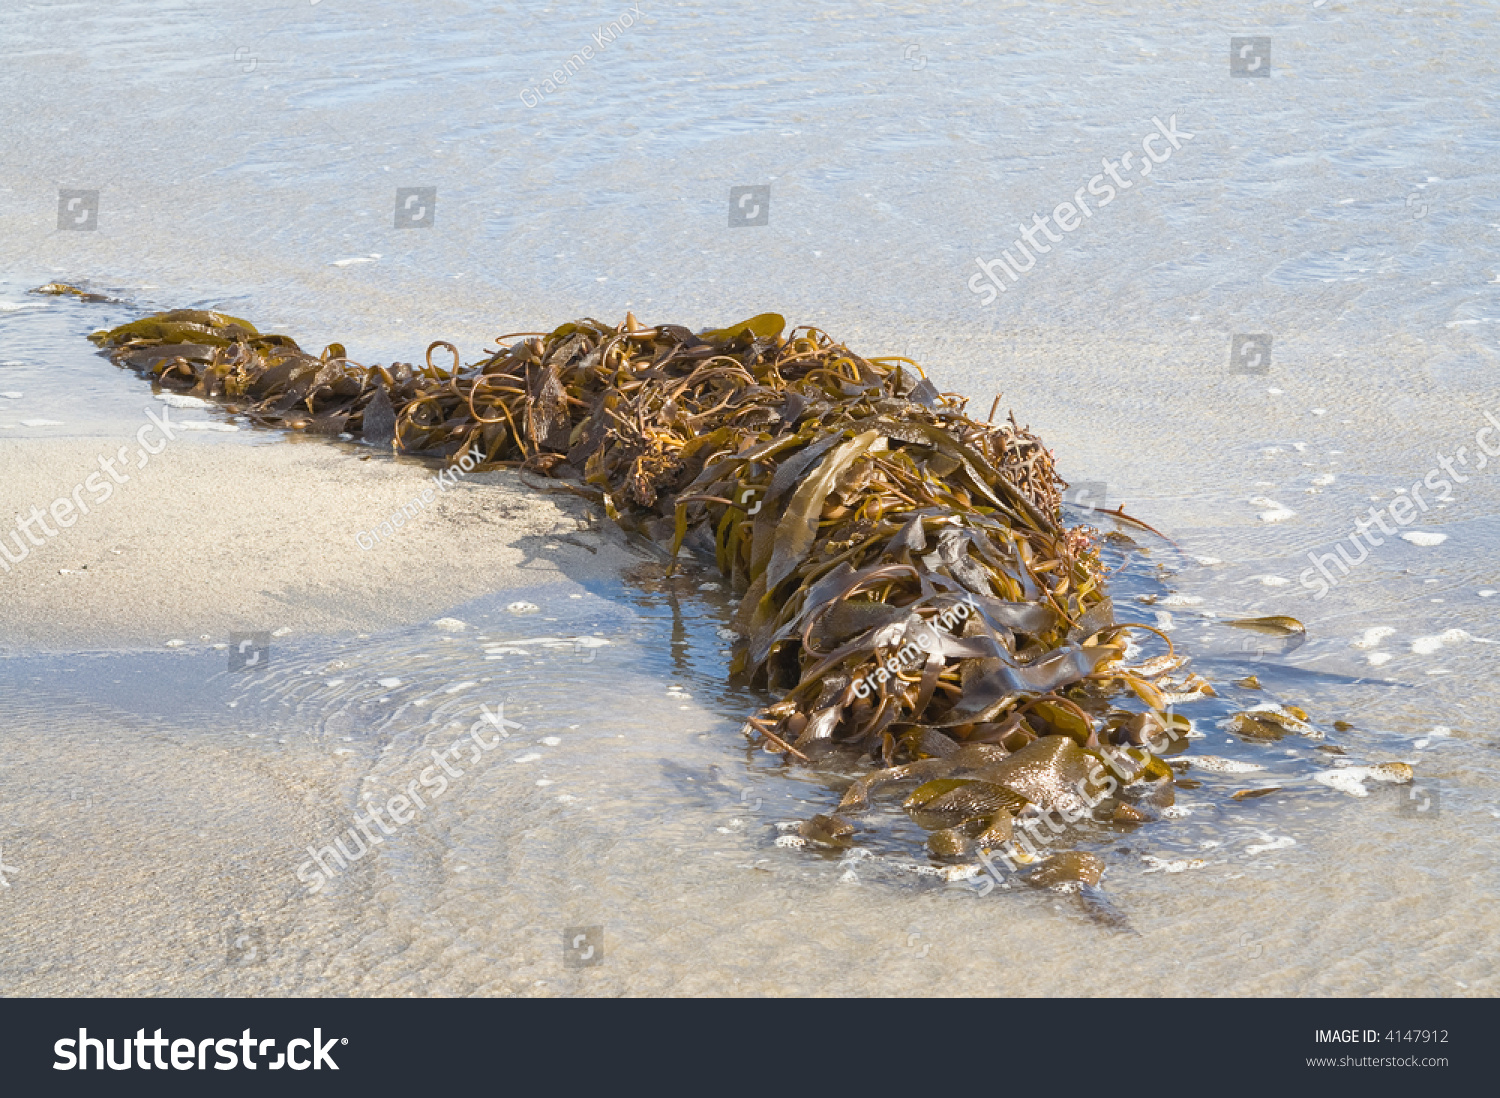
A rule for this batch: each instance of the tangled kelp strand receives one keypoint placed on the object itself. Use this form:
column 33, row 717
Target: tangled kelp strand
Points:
column 906, row 585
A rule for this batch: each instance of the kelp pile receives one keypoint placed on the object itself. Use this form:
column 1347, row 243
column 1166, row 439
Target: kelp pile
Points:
column 907, row 587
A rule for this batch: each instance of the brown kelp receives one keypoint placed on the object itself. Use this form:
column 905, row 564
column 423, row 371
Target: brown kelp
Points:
column 907, row 586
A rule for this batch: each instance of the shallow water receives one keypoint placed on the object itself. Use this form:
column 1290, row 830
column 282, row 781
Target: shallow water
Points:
column 1345, row 206
column 161, row 807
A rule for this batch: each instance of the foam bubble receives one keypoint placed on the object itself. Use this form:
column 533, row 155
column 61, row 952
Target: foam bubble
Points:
column 1424, row 538
column 1180, row 600
column 1372, row 637
column 1426, row 646
column 1273, row 511
column 178, row 400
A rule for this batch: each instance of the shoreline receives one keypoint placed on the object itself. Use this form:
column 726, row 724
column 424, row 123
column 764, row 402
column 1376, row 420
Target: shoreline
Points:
column 206, row 540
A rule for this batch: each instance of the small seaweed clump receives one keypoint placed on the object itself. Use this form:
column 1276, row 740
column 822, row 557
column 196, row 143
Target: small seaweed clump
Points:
column 907, row 587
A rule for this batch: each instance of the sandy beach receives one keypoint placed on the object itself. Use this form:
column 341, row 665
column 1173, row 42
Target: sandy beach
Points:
column 208, row 540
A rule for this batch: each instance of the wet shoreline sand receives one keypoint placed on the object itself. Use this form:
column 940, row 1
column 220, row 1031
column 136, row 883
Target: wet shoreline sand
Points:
column 208, row 539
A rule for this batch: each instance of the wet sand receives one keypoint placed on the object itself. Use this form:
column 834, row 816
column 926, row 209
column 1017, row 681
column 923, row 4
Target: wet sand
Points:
column 206, row 540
